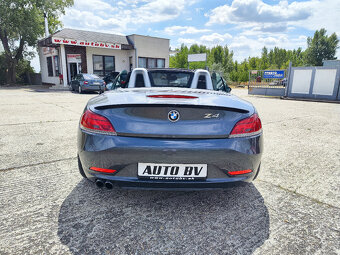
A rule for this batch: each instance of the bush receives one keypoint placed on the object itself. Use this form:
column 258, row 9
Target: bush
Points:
column 23, row 68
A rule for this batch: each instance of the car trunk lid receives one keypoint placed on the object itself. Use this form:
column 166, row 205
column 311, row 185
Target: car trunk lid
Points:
column 172, row 114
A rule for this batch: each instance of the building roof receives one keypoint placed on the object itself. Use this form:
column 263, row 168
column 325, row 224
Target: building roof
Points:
column 90, row 36
column 331, row 63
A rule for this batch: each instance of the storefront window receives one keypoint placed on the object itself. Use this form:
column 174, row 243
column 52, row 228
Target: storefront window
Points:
column 151, row 62
column 109, row 63
column 142, row 62
column 160, row 63
column 49, row 66
column 103, row 65
column 56, row 65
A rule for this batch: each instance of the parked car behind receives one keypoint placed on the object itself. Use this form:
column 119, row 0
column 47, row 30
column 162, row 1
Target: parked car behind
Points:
column 87, row 82
column 110, row 78
column 120, row 81
column 283, row 82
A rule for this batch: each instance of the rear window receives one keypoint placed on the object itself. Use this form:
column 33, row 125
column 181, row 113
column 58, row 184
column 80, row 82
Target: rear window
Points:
column 170, row 79
column 90, row 77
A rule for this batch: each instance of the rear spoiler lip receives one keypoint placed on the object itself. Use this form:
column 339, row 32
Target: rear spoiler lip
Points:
column 223, row 108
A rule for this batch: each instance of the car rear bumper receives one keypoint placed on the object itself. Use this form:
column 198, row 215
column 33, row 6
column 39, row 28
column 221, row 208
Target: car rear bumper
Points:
column 124, row 153
column 93, row 87
column 135, row 183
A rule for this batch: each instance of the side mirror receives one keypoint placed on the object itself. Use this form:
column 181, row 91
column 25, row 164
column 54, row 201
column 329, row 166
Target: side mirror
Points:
column 228, row 89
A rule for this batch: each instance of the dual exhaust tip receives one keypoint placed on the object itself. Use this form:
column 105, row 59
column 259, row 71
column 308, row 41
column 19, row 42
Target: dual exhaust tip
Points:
column 101, row 184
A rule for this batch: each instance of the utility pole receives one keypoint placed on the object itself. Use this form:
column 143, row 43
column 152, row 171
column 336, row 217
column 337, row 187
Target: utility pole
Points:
column 46, row 25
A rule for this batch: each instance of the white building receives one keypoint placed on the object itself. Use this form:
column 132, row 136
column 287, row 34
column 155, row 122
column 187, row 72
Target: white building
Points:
column 70, row 51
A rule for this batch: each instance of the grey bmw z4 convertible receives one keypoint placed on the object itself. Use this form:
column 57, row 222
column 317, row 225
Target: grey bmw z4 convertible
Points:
column 169, row 129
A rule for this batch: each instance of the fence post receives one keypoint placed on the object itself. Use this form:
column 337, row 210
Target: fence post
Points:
column 249, row 81
column 288, row 78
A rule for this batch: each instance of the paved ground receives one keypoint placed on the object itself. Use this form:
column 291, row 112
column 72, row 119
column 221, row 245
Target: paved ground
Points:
column 47, row 208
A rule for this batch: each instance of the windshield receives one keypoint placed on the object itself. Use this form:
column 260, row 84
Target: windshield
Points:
column 90, row 77
column 170, row 79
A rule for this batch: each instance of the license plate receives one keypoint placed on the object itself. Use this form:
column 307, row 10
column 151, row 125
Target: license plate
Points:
column 96, row 83
column 172, row 171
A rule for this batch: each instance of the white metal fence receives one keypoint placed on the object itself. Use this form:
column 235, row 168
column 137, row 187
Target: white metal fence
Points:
column 314, row 83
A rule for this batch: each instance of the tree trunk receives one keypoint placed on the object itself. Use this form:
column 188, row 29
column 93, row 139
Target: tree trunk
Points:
column 11, row 70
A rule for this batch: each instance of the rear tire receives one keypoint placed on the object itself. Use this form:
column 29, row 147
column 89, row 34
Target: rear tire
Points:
column 81, row 170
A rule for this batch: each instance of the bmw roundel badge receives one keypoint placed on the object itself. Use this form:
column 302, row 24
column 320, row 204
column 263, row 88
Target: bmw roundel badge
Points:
column 173, row 115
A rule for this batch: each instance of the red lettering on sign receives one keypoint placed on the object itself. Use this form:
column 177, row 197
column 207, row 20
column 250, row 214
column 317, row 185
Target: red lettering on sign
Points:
column 66, row 41
column 96, row 44
column 81, row 43
column 87, row 43
column 57, row 40
column 73, row 42
column 101, row 45
column 117, row 46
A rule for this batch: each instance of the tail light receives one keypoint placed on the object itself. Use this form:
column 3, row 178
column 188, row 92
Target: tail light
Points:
column 96, row 123
column 86, row 82
column 247, row 127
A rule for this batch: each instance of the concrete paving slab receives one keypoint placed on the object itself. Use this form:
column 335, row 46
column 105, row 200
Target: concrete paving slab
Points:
column 35, row 143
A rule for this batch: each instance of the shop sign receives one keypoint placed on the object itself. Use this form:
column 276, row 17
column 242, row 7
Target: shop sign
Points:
column 49, row 51
column 71, row 58
column 197, row 57
column 115, row 46
column 274, row 74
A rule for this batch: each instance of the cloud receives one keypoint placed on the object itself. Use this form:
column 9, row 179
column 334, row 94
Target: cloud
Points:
column 215, row 38
column 182, row 30
column 256, row 11
column 271, row 28
column 122, row 16
column 325, row 14
column 186, row 41
column 209, row 40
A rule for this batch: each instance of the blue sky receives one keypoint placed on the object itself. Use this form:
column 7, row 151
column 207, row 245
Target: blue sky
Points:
column 244, row 25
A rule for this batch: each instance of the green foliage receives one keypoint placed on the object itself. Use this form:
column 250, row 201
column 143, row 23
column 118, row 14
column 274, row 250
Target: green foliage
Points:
column 22, row 23
column 321, row 47
column 22, row 69
column 220, row 59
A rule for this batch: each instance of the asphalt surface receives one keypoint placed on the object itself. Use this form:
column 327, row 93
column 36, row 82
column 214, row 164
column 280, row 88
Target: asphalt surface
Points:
column 47, row 208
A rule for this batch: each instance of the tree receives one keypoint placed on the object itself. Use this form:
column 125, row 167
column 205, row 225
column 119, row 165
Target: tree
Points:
column 22, row 23
column 264, row 61
column 180, row 60
column 321, row 47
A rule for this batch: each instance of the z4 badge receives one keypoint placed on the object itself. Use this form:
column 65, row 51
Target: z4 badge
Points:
column 210, row 115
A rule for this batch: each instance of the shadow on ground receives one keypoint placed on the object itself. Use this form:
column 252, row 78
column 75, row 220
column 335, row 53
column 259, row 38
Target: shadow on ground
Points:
column 95, row 221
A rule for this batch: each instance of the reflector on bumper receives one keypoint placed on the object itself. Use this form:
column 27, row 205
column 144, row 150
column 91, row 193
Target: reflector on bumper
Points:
column 103, row 170
column 247, row 171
